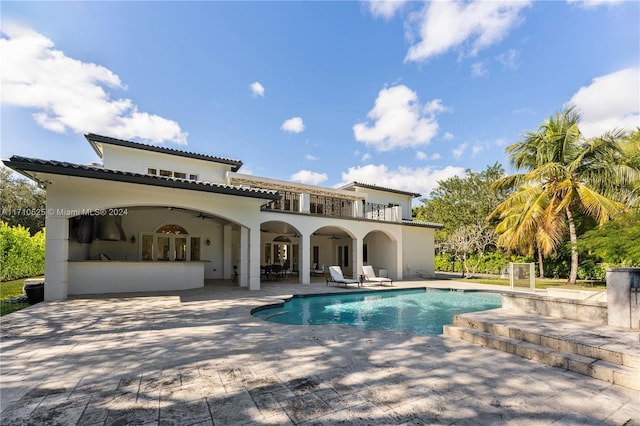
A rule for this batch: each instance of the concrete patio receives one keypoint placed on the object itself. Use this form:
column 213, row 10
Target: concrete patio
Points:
column 198, row 357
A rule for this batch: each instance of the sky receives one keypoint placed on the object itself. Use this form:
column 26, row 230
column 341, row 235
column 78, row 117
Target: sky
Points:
column 399, row 94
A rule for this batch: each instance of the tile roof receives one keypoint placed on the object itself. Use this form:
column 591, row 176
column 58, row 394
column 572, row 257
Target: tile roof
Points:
column 423, row 224
column 380, row 188
column 70, row 169
column 93, row 139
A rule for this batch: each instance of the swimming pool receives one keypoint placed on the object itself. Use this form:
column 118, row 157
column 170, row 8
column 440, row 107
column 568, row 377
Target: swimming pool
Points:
column 417, row 311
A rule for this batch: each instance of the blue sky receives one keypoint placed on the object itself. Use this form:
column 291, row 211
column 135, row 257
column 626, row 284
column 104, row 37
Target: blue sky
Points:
column 398, row 94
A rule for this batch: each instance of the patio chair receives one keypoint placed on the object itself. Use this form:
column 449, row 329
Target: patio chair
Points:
column 317, row 271
column 337, row 277
column 370, row 276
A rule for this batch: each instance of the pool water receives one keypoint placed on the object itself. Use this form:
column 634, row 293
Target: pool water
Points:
column 417, row 311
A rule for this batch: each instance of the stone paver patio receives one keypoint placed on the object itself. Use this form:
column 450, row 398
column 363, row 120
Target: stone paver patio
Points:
column 199, row 358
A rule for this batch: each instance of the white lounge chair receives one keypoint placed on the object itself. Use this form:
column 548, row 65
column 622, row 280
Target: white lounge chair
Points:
column 316, row 271
column 337, row 277
column 370, row 276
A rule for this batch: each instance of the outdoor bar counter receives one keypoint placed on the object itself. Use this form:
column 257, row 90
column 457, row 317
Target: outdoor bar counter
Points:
column 120, row 276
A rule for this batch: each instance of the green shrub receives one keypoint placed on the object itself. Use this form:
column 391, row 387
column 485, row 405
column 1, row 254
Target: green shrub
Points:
column 589, row 270
column 21, row 255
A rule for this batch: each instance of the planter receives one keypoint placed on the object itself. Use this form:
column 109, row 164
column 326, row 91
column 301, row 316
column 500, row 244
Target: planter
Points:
column 34, row 289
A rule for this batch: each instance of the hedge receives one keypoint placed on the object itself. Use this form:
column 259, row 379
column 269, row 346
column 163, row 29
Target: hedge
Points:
column 22, row 255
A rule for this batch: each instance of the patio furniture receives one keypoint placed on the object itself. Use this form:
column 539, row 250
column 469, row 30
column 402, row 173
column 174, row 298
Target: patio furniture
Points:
column 317, row 272
column 370, row 276
column 337, row 277
column 274, row 272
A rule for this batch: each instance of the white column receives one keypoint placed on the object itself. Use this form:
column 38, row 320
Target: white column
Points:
column 399, row 268
column 305, row 203
column 304, row 254
column 243, row 266
column 56, row 254
column 227, row 240
column 357, row 257
column 254, row 258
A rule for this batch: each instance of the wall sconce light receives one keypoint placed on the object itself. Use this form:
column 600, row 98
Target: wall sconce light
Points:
column 133, row 239
column 208, row 242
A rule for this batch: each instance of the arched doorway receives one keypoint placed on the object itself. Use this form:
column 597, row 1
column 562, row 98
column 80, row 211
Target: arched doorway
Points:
column 171, row 243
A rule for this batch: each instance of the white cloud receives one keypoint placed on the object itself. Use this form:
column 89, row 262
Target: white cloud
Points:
column 309, row 177
column 476, row 149
column 384, row 8
column 399, row 121
column 365, row 157
column 421, row 155
column 609, row 102
column 448, row 136
column 457, row 152
column 509, row 59
column 293, row 125
column 67, row 94
column 311, row 157
column 478, row 69
column 257, row 89
column 435, row 156
column 589, row 4
column 444, row 25
column 421, row 180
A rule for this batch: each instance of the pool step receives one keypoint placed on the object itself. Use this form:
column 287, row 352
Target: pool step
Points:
column 583, row 348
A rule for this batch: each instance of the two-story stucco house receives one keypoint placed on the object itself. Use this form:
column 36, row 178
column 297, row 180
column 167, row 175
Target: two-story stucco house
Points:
column 150, row 218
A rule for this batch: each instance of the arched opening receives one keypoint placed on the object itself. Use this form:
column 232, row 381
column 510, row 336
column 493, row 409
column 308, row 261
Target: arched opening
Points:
column 379, row 250
column 170, row 243
column 331, row 245
column 280, row 249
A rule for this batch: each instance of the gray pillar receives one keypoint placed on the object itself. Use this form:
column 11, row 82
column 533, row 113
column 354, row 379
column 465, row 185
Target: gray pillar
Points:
column 623, row 308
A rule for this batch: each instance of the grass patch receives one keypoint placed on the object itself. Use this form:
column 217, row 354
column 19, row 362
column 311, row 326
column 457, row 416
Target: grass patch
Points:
column 541, row 283
column 8, row 290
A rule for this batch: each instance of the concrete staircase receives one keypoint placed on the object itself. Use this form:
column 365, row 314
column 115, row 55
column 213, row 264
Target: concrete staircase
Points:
column 602, row 352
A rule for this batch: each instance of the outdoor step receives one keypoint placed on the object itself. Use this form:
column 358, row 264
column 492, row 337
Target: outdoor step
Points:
column 599, row 369
column 589, row 344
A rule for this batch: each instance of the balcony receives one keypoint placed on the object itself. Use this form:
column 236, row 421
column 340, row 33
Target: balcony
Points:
column 334, row 207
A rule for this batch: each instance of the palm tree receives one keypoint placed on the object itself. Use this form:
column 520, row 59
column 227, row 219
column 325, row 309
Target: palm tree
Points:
column 561, row 175
column 525, row 228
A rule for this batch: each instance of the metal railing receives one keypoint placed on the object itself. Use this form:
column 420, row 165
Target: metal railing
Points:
column 375, row 211
column 330, row 206
column 289, row 201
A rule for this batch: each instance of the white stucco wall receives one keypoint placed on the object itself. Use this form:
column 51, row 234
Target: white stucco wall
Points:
column 385, row 197
column 418, row 251
column 138, row 161
column 125, row 277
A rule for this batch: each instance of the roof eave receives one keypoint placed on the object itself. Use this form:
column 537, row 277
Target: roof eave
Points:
column 95, row 139
column 117, row 176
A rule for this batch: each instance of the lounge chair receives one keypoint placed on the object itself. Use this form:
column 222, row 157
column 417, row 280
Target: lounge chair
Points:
column 337, row 277
column 370, row 276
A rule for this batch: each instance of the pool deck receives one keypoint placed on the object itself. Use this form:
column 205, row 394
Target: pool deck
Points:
column 198, row 357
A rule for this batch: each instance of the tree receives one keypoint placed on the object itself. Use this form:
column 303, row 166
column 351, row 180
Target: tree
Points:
column 468, row 240
column 21, row 202
column 615, row 242
column 563, row 175
column 460, row 201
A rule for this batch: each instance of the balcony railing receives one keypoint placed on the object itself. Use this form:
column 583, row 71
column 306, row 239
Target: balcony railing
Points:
column 335, row 207
column 289, row 201
column 328, row 206
column 376, row 211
